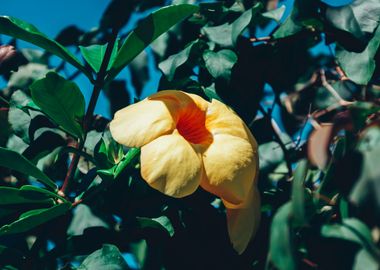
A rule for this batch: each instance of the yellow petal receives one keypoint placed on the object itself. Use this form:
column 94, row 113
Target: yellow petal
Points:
column 220, row 119
column 171, row 165
column 230, row 164
column 141, row 123
column 243, row 222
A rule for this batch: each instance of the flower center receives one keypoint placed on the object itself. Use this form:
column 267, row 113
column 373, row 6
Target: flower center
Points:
column 191, row 125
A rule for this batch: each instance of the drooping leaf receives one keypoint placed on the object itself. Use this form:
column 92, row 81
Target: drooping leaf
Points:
column 22, row 30
column 147, row 31
column 162, row 223
column 33, row 218
column 108, row 257
column 94, row 55
column 17, row 162
column 61, row 100
column 298, row 193
column 359, row 67
column 281, row 242
column 220, row 63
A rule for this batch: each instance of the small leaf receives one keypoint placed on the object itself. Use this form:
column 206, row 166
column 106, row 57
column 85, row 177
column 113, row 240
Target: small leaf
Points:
column 170, row 65
column 162, row 223
column 220, row 64
column 94, row 55
column 61, row 100
column 17, row 162
column 116, row 170
column 281, row 243
column 34, row 218
column 275, row 14
column 108, row 257
column 22, row 30
column 146, row 32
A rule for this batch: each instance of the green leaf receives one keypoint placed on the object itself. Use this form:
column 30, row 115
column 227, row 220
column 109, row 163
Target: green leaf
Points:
column 108, row 257
column 61, row 100
column 116, row 170
column 275, row 14
column 146, row 32
column 94, row 55
column 352, row 230
column 33, row 218
column 298, row 193
column 22, row 30
column 29, row 188
column 303, row 14
column 17, row 162
column 243, row 21
column 363, row 260
column 162, row 223
column 170, row 65
column 220, row 64
column 226, row 34
column 359, row 67
column 360, row 18
column 281, row 243
column 11, row 196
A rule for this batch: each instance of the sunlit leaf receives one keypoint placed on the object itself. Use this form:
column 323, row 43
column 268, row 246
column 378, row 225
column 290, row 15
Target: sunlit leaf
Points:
column 162, row 223
column 94, row 55
column 220, row 63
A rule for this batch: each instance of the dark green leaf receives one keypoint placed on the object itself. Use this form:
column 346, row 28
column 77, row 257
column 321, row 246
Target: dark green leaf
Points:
column 162, row 223
column 147, row 31
column 17, row 162
column 61, row 100
column 33, row 218
column 13, row 196
column 94, row 55
column 22, row 30
column 359, row 67
column 243, row 21
column 108, row 257
column 220, row 64
column 298, row 193
column 281, row 242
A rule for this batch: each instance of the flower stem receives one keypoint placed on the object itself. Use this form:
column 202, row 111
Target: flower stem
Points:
column 87, row 121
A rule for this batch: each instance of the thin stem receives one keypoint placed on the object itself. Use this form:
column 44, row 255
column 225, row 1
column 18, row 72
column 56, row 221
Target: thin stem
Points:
column 278, row 140
column 98, row 85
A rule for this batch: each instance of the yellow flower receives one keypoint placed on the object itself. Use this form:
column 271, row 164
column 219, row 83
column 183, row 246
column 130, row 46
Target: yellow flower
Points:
column 187, row 141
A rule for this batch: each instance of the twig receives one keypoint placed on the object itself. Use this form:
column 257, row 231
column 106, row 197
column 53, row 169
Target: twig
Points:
column 332, row 91
column 99, row 82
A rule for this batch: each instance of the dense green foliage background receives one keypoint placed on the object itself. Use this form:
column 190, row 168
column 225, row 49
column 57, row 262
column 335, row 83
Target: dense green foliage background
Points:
column 72, row 198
